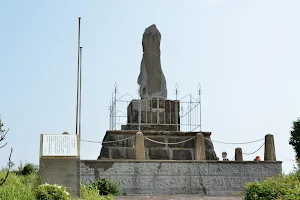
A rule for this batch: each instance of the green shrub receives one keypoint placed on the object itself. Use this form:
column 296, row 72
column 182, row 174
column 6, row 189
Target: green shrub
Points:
column 106, row 187
column 52, row 192
column 18, row 187
column 29, row 169
column 92, row 193
column 278, row 187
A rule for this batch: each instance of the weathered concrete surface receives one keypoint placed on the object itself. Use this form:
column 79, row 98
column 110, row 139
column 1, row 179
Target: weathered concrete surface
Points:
column 215, row 178
column 176, row 197
column 151, row 79
column 63, row 171
column 126, row 149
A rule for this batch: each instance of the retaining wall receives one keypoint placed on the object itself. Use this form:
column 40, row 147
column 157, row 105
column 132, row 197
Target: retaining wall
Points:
column 174, row 177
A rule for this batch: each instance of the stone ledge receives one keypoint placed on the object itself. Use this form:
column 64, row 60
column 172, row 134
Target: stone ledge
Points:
column 159, row 133
column 175, row 161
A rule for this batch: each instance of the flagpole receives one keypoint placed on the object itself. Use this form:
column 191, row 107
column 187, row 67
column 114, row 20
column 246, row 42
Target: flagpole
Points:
column 78, row 74
column 80, row 54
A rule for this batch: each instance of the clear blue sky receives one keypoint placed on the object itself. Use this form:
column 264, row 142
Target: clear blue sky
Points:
column 244, row 53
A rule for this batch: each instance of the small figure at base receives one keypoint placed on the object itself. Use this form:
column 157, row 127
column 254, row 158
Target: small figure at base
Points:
column 257, row 158
column 224, row 156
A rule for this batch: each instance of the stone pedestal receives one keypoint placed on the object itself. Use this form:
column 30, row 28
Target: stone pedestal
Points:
column 155, row 114
column 126, row 148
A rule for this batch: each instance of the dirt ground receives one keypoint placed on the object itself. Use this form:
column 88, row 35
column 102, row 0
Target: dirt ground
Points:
column 176, row 197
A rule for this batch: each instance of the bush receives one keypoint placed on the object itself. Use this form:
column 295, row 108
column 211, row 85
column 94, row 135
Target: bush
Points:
column 52, row 192
column 92, row 193
column 105, row 187
column 279, row 187
column 29, row 169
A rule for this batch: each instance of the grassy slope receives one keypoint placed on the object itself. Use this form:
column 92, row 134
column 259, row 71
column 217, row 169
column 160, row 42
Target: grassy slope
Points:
column 23, row 187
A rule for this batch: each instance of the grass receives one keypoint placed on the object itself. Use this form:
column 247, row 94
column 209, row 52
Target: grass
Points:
column 23, row 187
column 18, row 187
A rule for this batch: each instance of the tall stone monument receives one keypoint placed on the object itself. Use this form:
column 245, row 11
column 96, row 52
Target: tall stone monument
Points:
column 151, row 79
column 154, row 115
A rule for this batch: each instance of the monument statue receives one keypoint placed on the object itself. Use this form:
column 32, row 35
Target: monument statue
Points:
column 151, row 80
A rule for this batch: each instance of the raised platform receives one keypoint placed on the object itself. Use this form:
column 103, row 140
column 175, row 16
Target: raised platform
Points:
column 174, row 177
column 126, row 149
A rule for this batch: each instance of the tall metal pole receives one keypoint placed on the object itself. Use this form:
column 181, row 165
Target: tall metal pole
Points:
column 80, row 54
column 200, row 93
column 78, row 73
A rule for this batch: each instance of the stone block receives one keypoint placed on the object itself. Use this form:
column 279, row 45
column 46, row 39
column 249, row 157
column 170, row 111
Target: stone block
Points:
column 224, row 169
column 87, row 179
column 271, row 169
column 172, row 182
column 153, row 169
column 153, row 112
column 253, row 169
column 116, row 137
column 188, row 144
column 210, row 154
column 189, row 169
column 182, row 154
column 62, row 171
column 208, row 143
column 136, row 183
column 130, row 153
column 104, row 154
column 235, row 183
column 118, row 153
column 116, row 169
column 214, row 182
column 159, row 154
column 150, row 144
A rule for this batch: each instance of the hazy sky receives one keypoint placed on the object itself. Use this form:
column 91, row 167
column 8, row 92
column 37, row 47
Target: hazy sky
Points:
column 245, row 54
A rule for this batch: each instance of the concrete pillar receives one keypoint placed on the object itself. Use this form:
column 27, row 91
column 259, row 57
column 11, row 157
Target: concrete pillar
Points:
column 238, row 154
column 199, row 147
column 270, row 154
column 139, row 146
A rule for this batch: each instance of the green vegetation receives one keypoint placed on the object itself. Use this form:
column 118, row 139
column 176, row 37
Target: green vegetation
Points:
column 106, row 187
column 18, row 187
column 52, row 192
column 23, row 184
column 92, row 193
column 285, row 187
column 295, row 138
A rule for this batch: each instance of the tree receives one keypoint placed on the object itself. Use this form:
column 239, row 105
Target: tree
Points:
column 2, row 138
column 295, row 138
column 2, row 134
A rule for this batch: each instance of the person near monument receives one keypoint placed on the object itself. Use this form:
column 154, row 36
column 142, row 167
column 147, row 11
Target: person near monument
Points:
column 224, row 156
column 257, row 158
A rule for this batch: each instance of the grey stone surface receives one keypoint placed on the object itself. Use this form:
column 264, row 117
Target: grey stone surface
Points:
column 125, row 149
column 183, row 154
column 151, row 79
column 202, row 177
column 159, row 153
column 62, row 171
column 155, row 114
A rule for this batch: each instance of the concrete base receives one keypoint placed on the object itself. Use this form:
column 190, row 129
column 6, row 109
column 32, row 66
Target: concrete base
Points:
column 184, row 177
column 62, row 171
